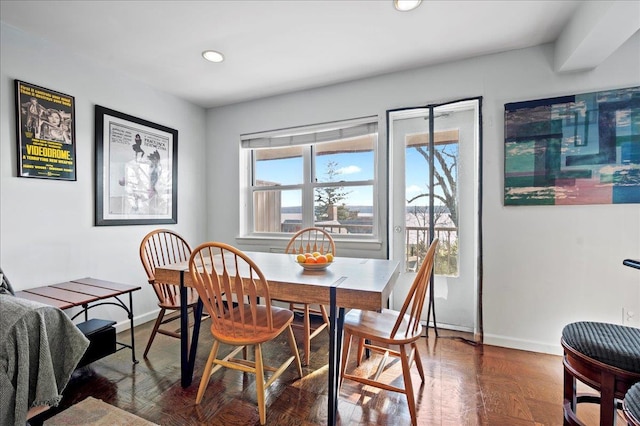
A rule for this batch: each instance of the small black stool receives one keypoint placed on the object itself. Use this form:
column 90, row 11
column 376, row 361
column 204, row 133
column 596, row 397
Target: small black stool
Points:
column 605, row 357
column 631, row 405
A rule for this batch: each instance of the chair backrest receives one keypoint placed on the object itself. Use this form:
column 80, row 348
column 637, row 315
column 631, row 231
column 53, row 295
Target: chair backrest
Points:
column 309, row 240
column 222, row 274
column 158, row 248
column 415, row 299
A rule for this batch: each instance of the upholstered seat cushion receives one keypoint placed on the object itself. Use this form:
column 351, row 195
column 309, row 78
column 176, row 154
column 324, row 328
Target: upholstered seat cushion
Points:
column 632, row 401
column 611, row 344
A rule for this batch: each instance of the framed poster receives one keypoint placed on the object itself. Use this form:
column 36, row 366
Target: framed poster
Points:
column 577, row 149
column 136, row 170
column 45, row 133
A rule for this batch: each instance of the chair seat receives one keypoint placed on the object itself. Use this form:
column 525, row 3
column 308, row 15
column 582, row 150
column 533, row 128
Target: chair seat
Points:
column 632, row 404
column 245, row 334
column 378, row 326
column 611, row 344
column 192, row 299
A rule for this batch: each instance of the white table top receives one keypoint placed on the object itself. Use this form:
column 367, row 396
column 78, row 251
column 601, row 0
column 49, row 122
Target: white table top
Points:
column 360, row 283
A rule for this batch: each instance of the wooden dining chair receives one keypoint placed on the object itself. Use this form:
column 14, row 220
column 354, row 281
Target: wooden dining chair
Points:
column 309, row 240
column 377, row 331
column 158, row 248
column 229, row 284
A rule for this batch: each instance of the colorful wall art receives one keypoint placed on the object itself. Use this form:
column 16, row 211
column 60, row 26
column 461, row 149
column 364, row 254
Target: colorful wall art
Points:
column 581, row 149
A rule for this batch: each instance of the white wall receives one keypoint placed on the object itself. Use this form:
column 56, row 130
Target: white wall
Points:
column 543, row 266
column 46, row 226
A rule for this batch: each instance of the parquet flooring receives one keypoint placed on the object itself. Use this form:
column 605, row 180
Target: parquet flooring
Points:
column 464, row 385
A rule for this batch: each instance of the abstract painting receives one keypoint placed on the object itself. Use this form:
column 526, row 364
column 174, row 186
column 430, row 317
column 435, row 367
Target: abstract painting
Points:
column 579, row 149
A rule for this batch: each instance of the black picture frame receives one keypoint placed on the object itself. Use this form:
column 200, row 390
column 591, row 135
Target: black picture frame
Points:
column 45, row 133
column 136, row 170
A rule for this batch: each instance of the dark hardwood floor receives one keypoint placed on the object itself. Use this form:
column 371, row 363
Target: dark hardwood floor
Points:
column 465, row 385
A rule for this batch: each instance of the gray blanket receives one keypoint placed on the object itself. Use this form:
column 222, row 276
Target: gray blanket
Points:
column 39, row 349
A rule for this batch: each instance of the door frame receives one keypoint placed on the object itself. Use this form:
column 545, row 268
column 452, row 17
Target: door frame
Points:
column 479, row 329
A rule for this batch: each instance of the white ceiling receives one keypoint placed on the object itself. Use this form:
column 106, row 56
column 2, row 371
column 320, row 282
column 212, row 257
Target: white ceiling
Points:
column 273, row 47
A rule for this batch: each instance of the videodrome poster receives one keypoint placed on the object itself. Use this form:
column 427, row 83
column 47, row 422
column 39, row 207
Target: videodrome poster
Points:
column 45, row 133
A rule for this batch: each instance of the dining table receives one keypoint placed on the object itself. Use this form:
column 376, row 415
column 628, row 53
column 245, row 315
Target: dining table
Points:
column 347, row 283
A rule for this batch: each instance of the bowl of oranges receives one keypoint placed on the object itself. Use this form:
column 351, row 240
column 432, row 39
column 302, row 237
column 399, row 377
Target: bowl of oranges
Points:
column 315, row 261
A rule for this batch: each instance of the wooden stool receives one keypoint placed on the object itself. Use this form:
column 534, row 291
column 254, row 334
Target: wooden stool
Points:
column 631, row 405
column 605, row 357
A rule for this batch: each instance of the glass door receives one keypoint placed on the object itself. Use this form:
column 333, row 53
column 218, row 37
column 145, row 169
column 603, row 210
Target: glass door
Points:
column 435, row 191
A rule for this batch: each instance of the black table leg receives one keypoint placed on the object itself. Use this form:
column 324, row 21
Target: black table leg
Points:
column 336, row 327
column 194, row 337
column 333, row 396
column 184, row 330
column 133, row 340
column 338, row 357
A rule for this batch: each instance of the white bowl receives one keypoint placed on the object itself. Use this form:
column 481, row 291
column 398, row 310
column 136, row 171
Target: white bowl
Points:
column 315, row 266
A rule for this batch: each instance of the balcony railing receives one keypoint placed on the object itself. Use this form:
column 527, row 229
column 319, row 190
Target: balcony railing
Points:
column 416, row 244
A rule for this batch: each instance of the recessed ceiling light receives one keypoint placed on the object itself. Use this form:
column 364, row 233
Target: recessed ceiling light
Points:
column 213, row 56
column 406, row 5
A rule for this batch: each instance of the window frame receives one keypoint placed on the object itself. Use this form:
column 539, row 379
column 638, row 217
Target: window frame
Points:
column 310, row 181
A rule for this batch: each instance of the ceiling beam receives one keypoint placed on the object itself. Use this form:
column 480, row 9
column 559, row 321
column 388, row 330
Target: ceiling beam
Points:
column 596, row 30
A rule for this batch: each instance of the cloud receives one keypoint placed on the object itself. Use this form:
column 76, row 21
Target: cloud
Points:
column 349, row 170
column 413, row 189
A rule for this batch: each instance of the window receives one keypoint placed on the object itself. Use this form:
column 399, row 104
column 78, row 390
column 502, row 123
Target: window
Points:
column 320, row 175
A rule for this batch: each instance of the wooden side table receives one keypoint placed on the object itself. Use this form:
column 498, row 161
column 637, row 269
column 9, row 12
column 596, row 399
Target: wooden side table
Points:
column 86, row 293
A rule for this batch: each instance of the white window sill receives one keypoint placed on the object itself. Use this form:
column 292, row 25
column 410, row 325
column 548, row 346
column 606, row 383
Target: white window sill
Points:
column 277, row 244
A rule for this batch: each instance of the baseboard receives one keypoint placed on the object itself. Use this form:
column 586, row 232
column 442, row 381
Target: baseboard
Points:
column 445, row 326
column 137, row 320
column 523, row 345
column 489, row 339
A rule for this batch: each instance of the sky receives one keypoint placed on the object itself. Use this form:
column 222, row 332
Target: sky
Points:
column 354, row 166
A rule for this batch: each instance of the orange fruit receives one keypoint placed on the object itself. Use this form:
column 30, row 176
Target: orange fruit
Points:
column 301, row 258
column 308, row 255
column 311, row 259
column 321, row 259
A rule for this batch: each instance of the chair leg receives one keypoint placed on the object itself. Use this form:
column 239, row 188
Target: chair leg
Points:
column 325, row 317
column 608, row 412
column 156, row 326
column 294, row 348
column 346, row 349
column 408, row 387
column 360, row 350
column 193, row 309
column 204, row 381
column 570, row 400
column 307, row 335
column 260, row 384
column 416, row 358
